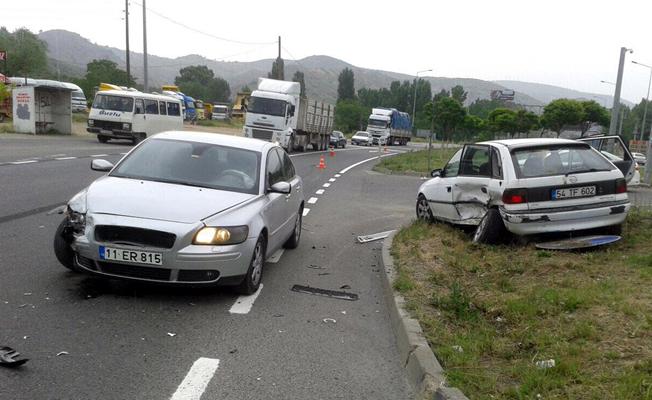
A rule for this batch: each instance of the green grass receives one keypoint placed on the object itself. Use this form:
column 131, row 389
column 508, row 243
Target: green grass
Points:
column 79, row 117
column 415, row 162
column 507, row 307
column 232, row 123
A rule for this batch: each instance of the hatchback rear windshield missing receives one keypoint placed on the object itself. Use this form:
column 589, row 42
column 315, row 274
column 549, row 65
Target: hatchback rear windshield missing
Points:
column 558, row 160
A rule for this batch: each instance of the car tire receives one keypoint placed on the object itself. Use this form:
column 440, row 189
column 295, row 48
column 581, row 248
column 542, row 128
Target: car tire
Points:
column 102, row 139
column 424, row 213
column 254, row 275
column 491, row 229
column 293, row 241
column 62, row 249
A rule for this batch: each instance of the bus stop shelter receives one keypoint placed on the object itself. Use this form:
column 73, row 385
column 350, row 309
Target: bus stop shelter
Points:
column 42, row 107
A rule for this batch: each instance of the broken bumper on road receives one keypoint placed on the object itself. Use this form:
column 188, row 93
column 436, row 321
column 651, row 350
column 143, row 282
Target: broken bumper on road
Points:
column 530, row 222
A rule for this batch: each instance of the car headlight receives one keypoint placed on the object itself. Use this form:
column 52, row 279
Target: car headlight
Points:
column 224, row 235
column 126, row 126
column 91, row 122
column 76, row 212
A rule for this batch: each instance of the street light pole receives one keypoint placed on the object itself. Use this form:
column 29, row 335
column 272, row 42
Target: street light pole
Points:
column 615, row 109
column 146, row 82
column 414, row 99
column 648, row 171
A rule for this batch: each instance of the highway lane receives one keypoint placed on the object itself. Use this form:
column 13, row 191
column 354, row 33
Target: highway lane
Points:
column 127, row 340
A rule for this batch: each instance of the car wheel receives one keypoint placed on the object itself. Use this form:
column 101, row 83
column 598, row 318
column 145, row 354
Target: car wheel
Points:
column 62, row 249
column 293, row 241
column 102, row 139
column 254, row 275
column 424, row 213
column 491, row 229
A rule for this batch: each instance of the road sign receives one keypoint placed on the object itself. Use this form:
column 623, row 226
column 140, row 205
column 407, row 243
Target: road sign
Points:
column 3, row 55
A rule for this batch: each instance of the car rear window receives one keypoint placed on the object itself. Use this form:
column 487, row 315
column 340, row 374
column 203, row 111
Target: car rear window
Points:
column 558, row 160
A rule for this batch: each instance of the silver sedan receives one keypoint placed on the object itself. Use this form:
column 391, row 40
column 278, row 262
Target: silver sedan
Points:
column 185, row 208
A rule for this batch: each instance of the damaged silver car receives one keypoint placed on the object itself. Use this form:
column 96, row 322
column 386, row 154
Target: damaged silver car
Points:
column 185, row 208
column 526, row 186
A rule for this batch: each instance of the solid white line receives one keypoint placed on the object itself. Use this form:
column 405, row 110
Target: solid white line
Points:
column 65, row 158
column 306, row 211
column 99, row 155
column 320, row 191
column 312, row 200
column 337, row 175
column 244, row 303
column 326, row 184
column 23, row 162
column 332, row 180
column 320, row 152
column 123, row 153
column 197, row 379
column 345, row 170
column 276, row 257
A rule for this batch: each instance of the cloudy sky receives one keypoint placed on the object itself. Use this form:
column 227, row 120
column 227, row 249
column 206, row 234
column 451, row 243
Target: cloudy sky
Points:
column 570, row 43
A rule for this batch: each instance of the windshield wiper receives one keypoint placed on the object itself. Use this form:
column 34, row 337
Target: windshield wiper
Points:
column 586, row 170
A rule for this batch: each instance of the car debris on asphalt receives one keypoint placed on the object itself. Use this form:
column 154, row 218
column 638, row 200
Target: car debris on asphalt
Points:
column 62, row 353
column 579, row 243
column 11, row 358
column 325, row 292
column 545, row 364
column 373, row 237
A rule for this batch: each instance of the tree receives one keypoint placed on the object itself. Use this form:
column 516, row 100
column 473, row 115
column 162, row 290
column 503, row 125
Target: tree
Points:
column 482, row 107
column 442, row 93
column 199, row 81
column 458, row 93
column 503, row 120
column 593, row 113
column 245, row 89
column 525, row 121
column 350, row 115
column 561, row 113
column 26, row 53
column 346, row 85
column 299, row 77
column 104, row 71
column 446, row 115
column 472, row 126
column 278, row 70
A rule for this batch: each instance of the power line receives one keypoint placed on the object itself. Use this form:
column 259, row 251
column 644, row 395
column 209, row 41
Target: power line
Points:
column 181, row 24
column 293, row 58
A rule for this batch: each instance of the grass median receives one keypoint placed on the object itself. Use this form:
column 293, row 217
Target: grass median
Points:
column 415, row 162
column 490, row 313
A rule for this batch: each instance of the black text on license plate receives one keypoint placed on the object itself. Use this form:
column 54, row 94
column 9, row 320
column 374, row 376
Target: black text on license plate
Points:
column 569, row 193
column 134, row 256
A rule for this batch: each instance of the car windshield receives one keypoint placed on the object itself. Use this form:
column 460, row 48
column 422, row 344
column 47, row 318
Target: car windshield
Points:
column 362, row 134
column 377, row 122
column 113, row 103
column 558, row 160
column 262, row 105
column 193, row 164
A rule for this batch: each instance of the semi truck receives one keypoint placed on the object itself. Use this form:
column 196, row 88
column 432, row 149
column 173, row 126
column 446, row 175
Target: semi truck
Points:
column 278, row 113
column 389, row 126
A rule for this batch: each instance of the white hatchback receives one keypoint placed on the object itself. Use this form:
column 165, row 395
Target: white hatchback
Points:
column 526, row 186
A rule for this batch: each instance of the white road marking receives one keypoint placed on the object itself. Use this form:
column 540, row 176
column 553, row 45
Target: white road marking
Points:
column 276, row 257
column 332, row 180
column 197, row 379
column 64, row 158
column 345, row 170
column 305, row 211
column 326, row 184
column 320, row 191
column 99, row 155
column 337, row 175
column 320, row 152
column 312, row 200
column 373, row 151
column 123, row 153
column 23, row 162
column 244, row 303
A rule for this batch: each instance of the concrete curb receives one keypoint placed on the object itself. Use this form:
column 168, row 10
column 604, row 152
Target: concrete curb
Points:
column 423, row 370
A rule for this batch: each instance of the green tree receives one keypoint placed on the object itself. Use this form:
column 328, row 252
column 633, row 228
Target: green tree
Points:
column 593, row 113
column 299, row 77
column 446, row 115
column 561, row 113
column 26, row 53
column 526, row 121
column 245, row 89
column 482, row 107
column 458, row 93
column 503, row 120
column 278, row 70
column 104, row 71
column 351, row 116
column 442, row 93
column 199, row 81
column 346, row 85
column 472, row 127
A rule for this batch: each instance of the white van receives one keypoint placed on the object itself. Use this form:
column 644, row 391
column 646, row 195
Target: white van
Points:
column 122, row 114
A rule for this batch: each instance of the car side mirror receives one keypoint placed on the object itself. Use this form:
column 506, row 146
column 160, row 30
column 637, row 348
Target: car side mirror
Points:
column 101, row 165
column 281, row 187
column 436, row 173
column 292, row 110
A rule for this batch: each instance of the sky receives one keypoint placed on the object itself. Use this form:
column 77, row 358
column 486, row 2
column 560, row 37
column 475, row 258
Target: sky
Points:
column 570, row 43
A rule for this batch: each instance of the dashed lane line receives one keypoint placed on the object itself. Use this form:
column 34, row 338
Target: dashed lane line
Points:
column 64, row 158
column 197, row 379
column 332, row 180
column 305, row 211
column 276, row 257
column 326, row 185
column 312, row 200
column 320, row 191
column 98, row 155
column 244, row 303
column 337, row 175
column 22, row 162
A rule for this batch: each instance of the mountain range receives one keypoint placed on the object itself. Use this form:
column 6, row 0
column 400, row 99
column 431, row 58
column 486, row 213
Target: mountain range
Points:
column 69, row 52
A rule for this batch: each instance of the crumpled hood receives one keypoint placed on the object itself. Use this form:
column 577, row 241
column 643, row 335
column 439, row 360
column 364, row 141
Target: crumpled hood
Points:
column 158, row 200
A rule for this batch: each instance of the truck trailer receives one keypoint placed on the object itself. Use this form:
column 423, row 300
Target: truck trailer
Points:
column 389, row 126
column 278, row 113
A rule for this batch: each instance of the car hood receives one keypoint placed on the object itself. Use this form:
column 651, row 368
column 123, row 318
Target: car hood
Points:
column 158, row 200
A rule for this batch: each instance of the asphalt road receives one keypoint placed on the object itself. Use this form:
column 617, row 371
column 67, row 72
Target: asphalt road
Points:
column 126, row 340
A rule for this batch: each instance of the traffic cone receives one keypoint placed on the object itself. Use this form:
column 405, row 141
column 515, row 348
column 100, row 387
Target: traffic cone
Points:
column 332, row 151
column 385, row 148
column 322, row 163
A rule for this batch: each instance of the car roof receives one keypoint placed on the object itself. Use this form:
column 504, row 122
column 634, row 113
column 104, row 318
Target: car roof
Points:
column 218, row 139
column 534, row 142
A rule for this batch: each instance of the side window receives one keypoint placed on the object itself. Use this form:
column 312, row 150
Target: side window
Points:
column 274, row 170
column 496, row 164
column 161, row 108
column 173, row 109
column 288, row 167
column 140, row 107
column 475, row 161
column 452, row 168
column 151, row 106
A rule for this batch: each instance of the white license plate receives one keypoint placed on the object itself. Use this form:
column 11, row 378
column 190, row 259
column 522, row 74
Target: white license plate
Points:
column 569, row 193
column 133, row 256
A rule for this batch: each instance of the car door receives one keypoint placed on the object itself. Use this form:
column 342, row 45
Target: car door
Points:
column 295, row 197
column 614, row 146
column 275, row 211
column 440, row 192
column 139, row 120
column 471, row 190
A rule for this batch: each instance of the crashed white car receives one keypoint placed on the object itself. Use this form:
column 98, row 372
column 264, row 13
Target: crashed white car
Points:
column 526, row 186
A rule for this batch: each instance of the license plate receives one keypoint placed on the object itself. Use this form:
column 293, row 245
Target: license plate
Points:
column 133, row 256
column 569, row 193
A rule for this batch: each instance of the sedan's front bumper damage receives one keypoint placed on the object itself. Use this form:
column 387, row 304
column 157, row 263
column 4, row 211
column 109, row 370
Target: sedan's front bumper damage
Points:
column 530, row 222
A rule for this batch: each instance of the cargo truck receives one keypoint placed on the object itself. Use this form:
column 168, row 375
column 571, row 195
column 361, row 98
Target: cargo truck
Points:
column 278, row 113
column 389, row 126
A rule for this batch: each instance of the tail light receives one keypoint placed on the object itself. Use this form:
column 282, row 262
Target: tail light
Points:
column 621, row 185
column 515, row 196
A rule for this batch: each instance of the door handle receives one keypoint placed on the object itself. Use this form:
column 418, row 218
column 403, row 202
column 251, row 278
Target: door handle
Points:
column 448, row 189
column 484, row 189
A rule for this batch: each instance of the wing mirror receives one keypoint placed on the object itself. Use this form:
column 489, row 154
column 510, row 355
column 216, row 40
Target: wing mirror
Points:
column 101, row 165
column 281, row 187
column 436, row 173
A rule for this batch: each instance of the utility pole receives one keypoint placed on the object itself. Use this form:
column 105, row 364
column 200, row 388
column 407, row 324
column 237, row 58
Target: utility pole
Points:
column 279, row 47
column 145, row 45
column 127, row 37
column 615, row 109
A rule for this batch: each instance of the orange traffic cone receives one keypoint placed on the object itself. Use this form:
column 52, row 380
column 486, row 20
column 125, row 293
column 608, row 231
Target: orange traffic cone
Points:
column 332, row 151
column 322, row 163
